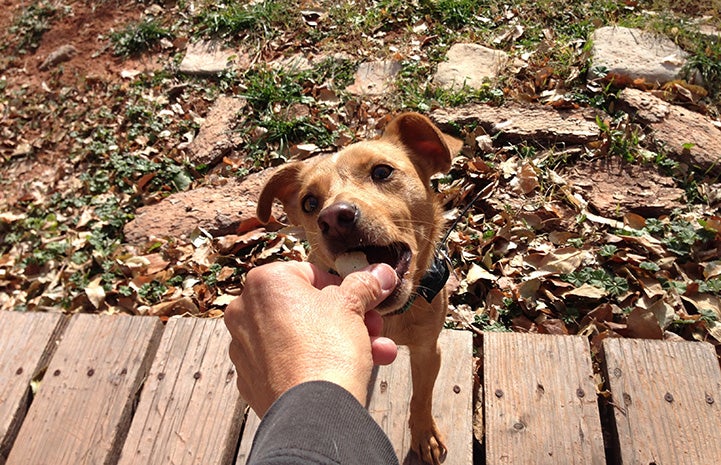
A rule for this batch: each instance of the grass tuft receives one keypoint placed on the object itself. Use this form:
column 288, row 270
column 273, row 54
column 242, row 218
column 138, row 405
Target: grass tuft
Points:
column 138, row 37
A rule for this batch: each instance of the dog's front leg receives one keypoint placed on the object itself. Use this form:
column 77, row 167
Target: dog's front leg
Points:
column 426, row 440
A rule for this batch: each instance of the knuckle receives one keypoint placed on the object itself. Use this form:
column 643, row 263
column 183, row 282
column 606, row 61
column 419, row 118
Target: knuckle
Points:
column 363, row 290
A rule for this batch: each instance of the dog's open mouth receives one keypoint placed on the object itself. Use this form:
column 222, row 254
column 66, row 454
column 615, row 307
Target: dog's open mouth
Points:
column 397, row 255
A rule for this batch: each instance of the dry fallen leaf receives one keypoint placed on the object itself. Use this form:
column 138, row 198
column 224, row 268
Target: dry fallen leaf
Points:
column 643, row 324
column 181, row 306
column 95, row 292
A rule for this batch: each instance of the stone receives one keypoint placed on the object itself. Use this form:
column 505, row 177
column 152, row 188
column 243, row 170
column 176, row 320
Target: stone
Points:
column 710, row 32
column 215, row 138
column 293, row 64
column 516, row 123
column 206, row 58
column 614, row 187
column 228, row 209
column 688, row 137
column 470, row 65
column 636, row 54
column 374, row 78
column 60, row 55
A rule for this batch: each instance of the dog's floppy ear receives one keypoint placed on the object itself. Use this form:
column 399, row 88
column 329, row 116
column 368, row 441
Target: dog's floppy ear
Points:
column 282, row 185
column 432, row 149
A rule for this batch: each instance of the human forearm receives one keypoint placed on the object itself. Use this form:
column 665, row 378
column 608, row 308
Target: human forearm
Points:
column 320, row 423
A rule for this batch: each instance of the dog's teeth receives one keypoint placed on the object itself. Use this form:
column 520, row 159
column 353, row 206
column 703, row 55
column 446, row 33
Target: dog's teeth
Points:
column 349, row 262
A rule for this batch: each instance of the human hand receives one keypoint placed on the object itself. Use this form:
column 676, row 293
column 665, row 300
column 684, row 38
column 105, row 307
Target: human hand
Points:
column 295, row 323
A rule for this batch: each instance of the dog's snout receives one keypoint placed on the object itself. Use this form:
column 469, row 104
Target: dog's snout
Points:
column 338, row 219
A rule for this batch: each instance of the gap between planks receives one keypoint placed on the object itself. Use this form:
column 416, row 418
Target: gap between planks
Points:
column 27, row 341
column 84, row 404
column 190, row 410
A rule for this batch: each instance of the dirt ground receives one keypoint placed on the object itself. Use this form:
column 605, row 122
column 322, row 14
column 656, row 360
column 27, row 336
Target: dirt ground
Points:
column 85, row 25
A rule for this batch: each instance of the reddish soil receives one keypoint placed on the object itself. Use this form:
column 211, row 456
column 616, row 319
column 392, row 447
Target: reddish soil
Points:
column 86, row 26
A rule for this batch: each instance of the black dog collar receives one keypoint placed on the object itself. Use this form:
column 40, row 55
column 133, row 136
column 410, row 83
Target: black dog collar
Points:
column 432, row 282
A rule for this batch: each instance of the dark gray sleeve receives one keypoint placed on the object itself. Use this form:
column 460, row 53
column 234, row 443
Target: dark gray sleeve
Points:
column 319, row 423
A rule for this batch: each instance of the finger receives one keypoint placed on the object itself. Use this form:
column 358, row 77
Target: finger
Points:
column 374, row 323
column 316, row 276
column 383, row 350
column 369, row 286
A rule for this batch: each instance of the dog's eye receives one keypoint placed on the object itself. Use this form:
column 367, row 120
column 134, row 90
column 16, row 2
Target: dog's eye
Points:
column 310, row 203
column 381, row 172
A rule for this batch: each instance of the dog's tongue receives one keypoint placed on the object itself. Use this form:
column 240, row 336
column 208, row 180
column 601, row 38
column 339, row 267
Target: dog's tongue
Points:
column 349, row 262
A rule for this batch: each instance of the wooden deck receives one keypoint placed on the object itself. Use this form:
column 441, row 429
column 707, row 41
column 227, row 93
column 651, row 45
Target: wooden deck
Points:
column 130, row 390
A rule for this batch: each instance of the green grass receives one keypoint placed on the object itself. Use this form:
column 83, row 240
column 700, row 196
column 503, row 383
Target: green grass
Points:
column 230, row 18
column 138, row 37
column 706, row 60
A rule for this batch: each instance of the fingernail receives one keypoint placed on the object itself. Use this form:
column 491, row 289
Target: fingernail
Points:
column 386, row 276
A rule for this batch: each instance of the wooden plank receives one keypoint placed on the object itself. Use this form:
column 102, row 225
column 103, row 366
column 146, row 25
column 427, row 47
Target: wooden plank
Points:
column 666, row 401
column 540, row 400
column 27, row 340
column 390, row 395
column 190, row 411
column 452, row 399
column 389, row 400
column 82, row 410
column 246, row 442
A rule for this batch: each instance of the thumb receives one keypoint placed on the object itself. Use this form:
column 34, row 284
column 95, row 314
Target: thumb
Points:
column 370, row 286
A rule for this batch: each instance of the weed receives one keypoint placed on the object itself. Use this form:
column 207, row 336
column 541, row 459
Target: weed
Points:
column 272, row 94
column 678, row 235
column 211, row 279
column 708, row 316
column 597, row 277
column 267, row 87
column 484, row 323
column 454, row 14
column 576, row 242
column 712, row 285
column 620, row 139
column 416, row 92
column 232, row 17
column 706, row 60
column 32, row 24
column 571, row 316
column 340, row 72
column 138, row 37
column 152, row 292
column 607, row 250
column 287, row 130
column 649, row 266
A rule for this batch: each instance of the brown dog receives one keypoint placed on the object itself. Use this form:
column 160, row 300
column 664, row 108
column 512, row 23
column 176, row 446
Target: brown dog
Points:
column 374, row 197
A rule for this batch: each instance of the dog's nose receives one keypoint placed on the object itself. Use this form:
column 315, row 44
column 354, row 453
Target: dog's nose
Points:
column 338, row 219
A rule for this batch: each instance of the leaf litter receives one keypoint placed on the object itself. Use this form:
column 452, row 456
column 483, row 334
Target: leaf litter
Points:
column 531, row 255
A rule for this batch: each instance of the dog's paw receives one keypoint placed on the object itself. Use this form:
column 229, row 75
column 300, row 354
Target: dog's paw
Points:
column 427, row 441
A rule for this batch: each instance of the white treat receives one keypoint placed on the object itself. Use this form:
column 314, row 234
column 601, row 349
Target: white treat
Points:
column 349, row 262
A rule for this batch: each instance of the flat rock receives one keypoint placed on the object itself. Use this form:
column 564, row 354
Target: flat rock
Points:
column 215, row 138
column 687, row 136
column 206, row 58
column 517, row 123
column 374, row 77
column 710, row 31
column 634, row 53
column 470, row 65
column 219, row 210
column 614, row 187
